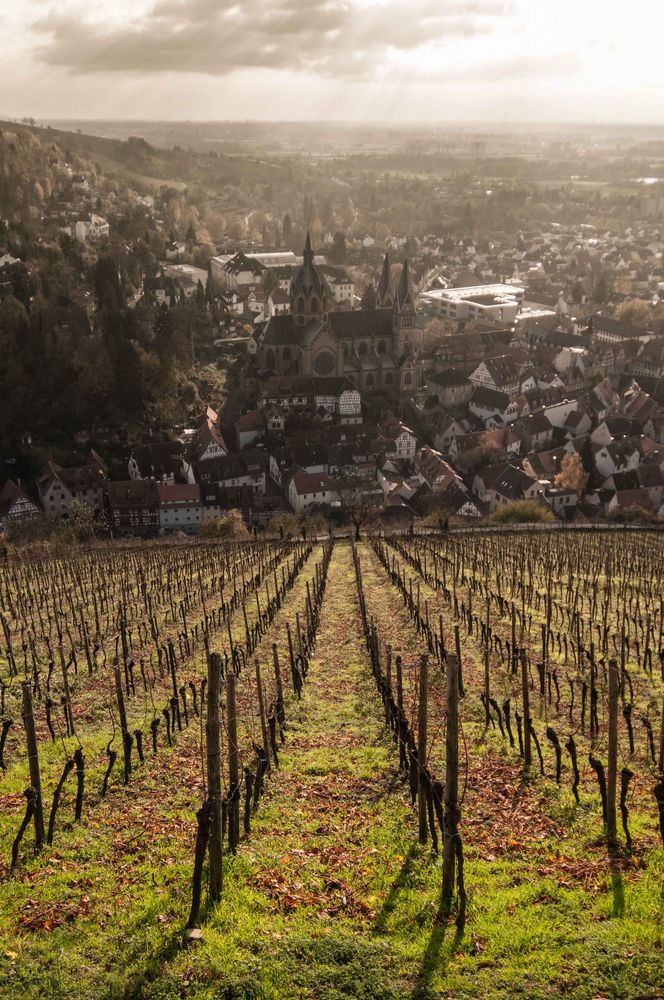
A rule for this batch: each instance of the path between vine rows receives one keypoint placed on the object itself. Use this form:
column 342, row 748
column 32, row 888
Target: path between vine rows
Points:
column 337, row 829
column 330, row 896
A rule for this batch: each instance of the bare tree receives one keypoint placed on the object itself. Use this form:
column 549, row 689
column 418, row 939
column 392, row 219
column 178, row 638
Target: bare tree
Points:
column 359, row 496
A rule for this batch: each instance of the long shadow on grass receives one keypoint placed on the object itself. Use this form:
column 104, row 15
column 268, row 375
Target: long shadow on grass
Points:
column 399, row 883
column 431, row 961
column 153, row 967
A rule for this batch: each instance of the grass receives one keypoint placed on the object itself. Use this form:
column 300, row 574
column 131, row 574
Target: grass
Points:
column 331, row 896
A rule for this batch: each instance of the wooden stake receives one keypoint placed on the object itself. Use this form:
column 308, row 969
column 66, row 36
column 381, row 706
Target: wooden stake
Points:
column 525, row 697
column 212, row 737
column 422, row 748
column 261, row 709
column 33, row 761
column 277, row 674
column 611, row 830
column 233, row 765
column 451, row 784
column 126, row 744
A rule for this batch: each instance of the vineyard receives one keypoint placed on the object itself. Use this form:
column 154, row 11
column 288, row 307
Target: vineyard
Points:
column 411, row 766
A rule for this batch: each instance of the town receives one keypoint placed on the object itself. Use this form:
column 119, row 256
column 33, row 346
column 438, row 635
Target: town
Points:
column 331, row 500
column 322, row 378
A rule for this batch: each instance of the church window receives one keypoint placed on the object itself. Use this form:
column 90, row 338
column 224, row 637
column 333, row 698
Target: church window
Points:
column 362, row 349
column 408, row 378
column 300, row 304
column 269, row 358
column 381, row 347
column 369, row 381
column 388, row 378
column 314, row 305
column 286, row 354
column 324, row 363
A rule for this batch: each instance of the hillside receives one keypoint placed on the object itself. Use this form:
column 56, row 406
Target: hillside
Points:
column 331, row 877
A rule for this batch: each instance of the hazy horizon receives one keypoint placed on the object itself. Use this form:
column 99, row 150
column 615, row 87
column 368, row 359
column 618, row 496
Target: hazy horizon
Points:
column 333, row 60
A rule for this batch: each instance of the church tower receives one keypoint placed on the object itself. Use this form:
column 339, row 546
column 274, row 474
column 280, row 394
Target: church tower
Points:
column 384, row 294
column 309, row 291
column 403, row 315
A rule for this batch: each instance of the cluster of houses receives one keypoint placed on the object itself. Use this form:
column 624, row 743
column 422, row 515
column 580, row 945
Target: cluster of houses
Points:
column 249, row 288
column 516, row 393
column 546, row 260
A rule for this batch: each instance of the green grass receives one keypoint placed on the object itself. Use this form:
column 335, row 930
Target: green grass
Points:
column 331, row 896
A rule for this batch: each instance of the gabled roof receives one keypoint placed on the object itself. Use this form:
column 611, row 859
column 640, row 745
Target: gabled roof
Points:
column 11, row 494
column 449, row 377
column 311, row 482
column 490, row 399
column 178, row 495
column 503, row 369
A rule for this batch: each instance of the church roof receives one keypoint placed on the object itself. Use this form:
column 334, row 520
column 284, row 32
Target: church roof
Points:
column 352, row 325
column 361, row 323
column 282, row 329
column 403, row 296
column 308, row 278
column 385, row 283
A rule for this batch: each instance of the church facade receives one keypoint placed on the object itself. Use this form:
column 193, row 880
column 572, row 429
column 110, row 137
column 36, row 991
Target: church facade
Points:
column 374, row 348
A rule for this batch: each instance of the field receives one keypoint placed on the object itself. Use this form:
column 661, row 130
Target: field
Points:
column 390, row 712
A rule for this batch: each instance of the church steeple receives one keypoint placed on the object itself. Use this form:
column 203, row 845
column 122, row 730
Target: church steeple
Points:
column 308, row 255
column 403, row 314
column 309, row 291
column 384, row 294
column 404, row 299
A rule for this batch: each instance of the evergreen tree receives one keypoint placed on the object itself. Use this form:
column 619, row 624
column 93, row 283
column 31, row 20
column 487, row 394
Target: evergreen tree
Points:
column 368, row 300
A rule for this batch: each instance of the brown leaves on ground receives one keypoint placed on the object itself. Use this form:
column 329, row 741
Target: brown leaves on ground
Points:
column 47, row 916
column 501, row 813
column 334, row 898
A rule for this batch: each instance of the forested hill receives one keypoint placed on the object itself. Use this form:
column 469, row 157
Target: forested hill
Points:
column 32, row 159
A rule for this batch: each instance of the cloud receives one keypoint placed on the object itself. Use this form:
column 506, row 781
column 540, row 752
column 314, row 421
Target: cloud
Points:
column 505, row 70
column 331, row 38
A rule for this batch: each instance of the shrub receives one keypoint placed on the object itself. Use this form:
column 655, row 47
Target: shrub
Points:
column 522, row 512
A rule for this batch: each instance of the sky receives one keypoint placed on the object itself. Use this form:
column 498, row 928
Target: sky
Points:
column 347, row 60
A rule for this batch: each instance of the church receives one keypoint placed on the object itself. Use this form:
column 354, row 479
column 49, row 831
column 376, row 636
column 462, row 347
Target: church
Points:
column 374, row 348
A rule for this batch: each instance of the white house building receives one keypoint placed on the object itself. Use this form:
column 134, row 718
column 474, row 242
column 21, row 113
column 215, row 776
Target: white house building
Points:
column 180, row 508
column 306, row 489
column 92, row 229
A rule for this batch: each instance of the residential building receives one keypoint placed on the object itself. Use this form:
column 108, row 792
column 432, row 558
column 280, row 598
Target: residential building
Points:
column 180, row 508
column 133, row 507
column 308, row 489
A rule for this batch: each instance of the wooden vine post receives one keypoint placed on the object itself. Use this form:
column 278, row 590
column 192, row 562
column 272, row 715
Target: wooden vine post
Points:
column 212, row 731
column 487, row 665
column 33, row 761
column 126, row 739
column 261, row 709
column 452, row 848
column 612, row 778
column 233, row 765
column 525, row 697
column 422, row 716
